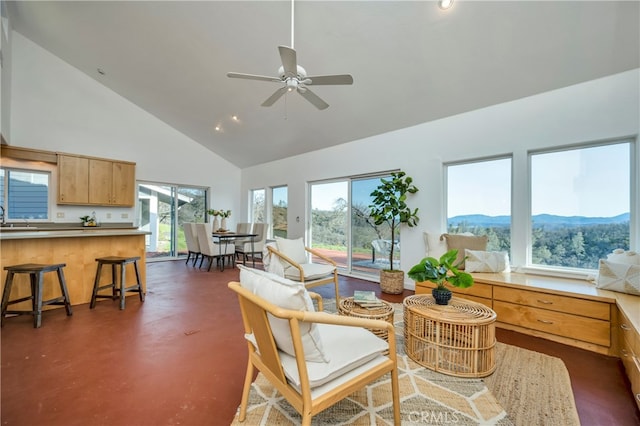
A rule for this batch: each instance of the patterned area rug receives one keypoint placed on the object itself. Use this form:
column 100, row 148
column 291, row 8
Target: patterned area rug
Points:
column 426, row 397
column 430, row 398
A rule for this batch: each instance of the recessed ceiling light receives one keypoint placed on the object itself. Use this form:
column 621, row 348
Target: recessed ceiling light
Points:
column 234, row 118
column 445, row 4
column 218, row 128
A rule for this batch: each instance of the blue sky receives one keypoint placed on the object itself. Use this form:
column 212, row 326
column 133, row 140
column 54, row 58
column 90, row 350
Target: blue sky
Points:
column 592, row 182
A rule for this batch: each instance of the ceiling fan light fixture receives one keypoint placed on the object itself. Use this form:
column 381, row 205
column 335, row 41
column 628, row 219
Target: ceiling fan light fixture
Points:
column 445, row 4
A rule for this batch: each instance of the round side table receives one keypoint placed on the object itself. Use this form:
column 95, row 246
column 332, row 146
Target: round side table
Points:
column 457, row 339
column 348, row 307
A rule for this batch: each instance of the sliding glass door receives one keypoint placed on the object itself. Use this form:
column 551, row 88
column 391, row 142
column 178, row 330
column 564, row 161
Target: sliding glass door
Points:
column 342, row 229
column 162, row 210
column 329, row 220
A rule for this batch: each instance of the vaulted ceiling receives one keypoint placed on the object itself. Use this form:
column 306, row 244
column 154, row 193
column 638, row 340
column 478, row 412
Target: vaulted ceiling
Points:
column 411, row 61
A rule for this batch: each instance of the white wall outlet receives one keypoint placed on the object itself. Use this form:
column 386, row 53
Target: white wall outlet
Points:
column 124, row 215
column 60, row 215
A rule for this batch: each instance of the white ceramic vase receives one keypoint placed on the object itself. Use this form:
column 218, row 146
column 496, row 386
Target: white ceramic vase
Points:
column 216, row 224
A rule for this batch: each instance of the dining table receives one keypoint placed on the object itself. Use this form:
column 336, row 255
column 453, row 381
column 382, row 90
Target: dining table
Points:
column 225, row 238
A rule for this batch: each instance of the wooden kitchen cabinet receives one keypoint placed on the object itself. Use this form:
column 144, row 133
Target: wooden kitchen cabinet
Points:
column 73, row 182
column 95, row 181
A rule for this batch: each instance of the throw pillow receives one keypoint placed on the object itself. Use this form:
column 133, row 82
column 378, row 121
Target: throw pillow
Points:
column 435, row 243
column 463, row 242
column 621, row 256
column 286, row 294
column 486, row 261
column 293, row 249
column 620, row 277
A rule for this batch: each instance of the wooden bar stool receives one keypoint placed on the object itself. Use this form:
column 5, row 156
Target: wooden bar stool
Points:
column 36, row 277
column 116, row 290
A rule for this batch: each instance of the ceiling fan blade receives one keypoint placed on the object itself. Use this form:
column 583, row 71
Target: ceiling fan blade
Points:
column 318, row 80
column 276, row 95
column 289, row 61
column 253, row 77
column 313, row 98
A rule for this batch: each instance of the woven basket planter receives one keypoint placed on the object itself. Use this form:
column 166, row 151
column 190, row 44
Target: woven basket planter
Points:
column 392, row 282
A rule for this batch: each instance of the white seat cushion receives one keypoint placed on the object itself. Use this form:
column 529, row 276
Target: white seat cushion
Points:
column 347, row 347
column 312, row 271
column 286, row 294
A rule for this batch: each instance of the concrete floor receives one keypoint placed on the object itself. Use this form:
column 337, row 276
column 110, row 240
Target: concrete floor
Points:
column 179, row 359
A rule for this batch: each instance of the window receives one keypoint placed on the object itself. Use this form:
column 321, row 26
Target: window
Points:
column 279, row 200
column 258, row 208
column 163, row 209
column 24, row 194
column 580, row 204
column 479, row 200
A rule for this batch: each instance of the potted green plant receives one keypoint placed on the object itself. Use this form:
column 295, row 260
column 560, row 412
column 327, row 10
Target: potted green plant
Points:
column 89, row 220
column 389, row 206
column 441, row 272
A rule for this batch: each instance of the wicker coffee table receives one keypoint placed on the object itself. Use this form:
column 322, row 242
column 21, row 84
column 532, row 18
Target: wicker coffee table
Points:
column 349, row 308
column 457, row 339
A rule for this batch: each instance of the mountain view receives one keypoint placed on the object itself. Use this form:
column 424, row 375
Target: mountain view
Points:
column 546, row 220
column 568, row 241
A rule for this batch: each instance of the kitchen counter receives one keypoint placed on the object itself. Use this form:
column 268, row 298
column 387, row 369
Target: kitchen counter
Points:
column 77, row 247
column 22, row 233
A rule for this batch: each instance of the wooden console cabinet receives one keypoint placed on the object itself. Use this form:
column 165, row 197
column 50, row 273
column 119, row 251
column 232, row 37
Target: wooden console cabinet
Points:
column 569, row 317
column 565, row 311
column 629, row 341
column 95, row 181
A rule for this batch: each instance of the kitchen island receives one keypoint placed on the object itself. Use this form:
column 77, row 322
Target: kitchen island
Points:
column 78, row 248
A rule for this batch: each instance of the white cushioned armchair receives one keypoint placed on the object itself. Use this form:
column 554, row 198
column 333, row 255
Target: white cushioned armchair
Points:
column 291, row 259
column 313, row 359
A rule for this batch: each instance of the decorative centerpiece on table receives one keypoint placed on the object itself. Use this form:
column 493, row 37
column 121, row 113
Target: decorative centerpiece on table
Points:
column 89, row 220
column 389, row 206
column 441, row 272
column 219, row 225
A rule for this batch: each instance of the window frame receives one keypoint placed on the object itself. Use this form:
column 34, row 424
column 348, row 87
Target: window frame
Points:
column 634, row 209
column 24, row 168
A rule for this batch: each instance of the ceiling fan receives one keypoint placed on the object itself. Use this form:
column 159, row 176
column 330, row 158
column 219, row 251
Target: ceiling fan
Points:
column 293, row 77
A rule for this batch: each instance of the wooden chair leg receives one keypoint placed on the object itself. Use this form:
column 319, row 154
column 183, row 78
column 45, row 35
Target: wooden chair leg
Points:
column 5, row 296
column 135, row 267
column 37, row 284
column 64, row 291
column 244, row 402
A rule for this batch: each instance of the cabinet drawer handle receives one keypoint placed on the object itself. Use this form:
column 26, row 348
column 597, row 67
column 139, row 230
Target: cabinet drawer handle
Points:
column 625, row 327
column 638, row 396
column 545, row 321
column 624, row 352
column 545, row 302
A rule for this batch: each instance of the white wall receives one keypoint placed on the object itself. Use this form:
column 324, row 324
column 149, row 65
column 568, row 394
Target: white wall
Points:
column 597, row 110
column 56, row 107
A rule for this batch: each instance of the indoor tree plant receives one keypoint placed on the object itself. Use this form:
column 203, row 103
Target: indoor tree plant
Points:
column 441, row 272
column 389, row 206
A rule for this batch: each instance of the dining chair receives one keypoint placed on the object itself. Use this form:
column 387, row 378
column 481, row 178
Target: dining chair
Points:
column 209, row 249
column 191, row 239
column 246, row 249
